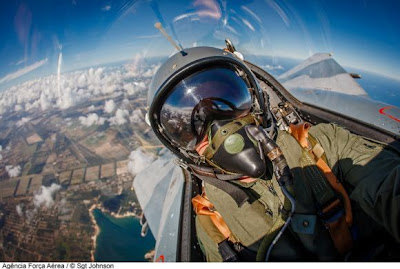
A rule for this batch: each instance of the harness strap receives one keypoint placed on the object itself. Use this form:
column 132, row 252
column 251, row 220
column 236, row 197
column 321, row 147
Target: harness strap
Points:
column 215, row 227
column 203, row 206
column 336, row 220
column 237, row 194
column 213, row 172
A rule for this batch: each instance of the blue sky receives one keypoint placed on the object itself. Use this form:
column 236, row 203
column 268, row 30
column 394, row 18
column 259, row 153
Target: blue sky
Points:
column 362, row 34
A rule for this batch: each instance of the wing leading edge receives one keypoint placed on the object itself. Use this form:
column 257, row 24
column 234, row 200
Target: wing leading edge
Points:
column 321, row 72
column 159, row 190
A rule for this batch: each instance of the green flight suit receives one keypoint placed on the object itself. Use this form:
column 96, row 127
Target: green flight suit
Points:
column 370, row 173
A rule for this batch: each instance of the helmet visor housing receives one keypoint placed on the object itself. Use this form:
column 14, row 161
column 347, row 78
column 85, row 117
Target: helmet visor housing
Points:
column 217, row 93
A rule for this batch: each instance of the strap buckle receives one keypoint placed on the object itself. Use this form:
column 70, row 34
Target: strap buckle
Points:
column 333, row 217
column 227, row 253
column 181, row 163
column 332, row 212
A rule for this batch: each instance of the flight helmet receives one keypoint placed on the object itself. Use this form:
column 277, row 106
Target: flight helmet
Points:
column 199, row 86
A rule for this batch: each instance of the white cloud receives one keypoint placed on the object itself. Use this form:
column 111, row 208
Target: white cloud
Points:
column 133, row 67
column 82, row 81
column 120, row 117
column 19, row 210
column 130, row 88
column 125, row 102
column 91, row 108
column 77, row 87
column 13, row 171
column 44, row 102
column 42, row 198
column 273, row 67
column 23, row 71
column 151, row 71
column 138, row 161
column 45, row 196
column 92, row 119
column 30, row 214
column 66, row 100
column 109, row 106
column 106, row 8
column 62, row 206
column 17, row 108
column 137, row 116
column 23, row 121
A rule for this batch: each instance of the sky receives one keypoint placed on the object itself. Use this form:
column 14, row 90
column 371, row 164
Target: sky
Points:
column 360, row 33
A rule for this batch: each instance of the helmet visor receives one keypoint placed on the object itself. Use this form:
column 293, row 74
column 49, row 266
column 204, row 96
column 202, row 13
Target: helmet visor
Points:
column 212, row 94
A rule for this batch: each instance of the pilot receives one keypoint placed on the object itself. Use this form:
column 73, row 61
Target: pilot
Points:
column 294, row 193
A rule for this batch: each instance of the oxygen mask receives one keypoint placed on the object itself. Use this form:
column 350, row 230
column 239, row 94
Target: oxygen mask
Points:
column 232, row 150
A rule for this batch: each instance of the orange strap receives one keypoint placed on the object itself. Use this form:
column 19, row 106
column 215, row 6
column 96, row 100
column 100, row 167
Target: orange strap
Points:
column 202, row 206
column 339, row 229
column 300, row 132
column 338, row 187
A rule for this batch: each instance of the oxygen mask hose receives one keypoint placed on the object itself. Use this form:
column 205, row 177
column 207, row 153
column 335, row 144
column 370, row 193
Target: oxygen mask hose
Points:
column 281, row 171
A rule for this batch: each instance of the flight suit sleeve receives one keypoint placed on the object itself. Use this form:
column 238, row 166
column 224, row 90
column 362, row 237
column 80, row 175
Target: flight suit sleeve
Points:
column 370, row 171
column 207, row 245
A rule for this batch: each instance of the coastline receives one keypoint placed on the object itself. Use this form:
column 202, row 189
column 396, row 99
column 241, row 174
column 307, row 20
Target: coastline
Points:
column 97, row 228
column 117, row 215
column 96, row 232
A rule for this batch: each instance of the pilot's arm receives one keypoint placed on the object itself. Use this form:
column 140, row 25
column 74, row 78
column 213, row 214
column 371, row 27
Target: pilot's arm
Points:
column 370, row 171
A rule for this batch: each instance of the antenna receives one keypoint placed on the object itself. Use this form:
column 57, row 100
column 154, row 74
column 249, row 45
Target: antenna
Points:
column 158, row 25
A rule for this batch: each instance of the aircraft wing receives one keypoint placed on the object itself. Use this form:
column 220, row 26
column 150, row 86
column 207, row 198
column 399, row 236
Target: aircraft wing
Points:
column 379, row 114
column 321, row 72
column 159, row 190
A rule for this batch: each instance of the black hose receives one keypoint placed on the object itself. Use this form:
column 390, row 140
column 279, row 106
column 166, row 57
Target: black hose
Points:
column 281, row 170
column 293, row 207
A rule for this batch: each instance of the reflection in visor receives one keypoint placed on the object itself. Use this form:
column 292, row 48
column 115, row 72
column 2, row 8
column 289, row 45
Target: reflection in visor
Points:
column 213, row 94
